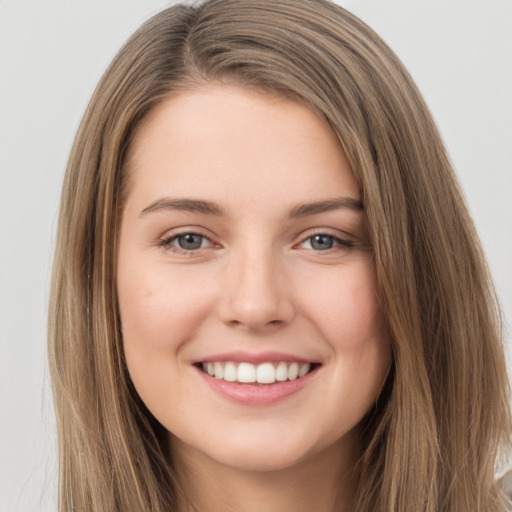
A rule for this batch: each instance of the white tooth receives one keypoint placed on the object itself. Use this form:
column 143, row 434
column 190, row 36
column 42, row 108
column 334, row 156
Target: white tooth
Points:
column 246, row 372
column 230, row 372
column 282, row 372
column 210, row 369
column 219, row 371
column 204, row 366
column 304, row 369
column 265, row 373
column 293, row 371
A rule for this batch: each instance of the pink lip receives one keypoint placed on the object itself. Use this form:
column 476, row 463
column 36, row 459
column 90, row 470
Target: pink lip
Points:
column 256, row 394
column 263, row 357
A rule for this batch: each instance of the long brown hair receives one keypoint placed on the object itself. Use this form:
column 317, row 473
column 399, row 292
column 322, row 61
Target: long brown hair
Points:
column 432, row 439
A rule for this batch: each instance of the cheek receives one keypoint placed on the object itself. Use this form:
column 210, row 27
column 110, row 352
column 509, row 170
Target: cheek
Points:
column 345, row 308
column 361, row 320
column 159, row 314
column 347, row 313
column 157, row 309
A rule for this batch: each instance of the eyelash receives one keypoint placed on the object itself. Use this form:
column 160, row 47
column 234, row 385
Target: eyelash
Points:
column 339, row 243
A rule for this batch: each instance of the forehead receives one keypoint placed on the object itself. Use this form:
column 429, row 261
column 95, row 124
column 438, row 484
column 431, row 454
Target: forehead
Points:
column 228, row 143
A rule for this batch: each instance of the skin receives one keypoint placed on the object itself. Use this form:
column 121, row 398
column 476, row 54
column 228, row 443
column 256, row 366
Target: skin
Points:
column 257, row 283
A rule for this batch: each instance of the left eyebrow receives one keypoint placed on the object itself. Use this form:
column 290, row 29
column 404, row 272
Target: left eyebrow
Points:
column 325, row 206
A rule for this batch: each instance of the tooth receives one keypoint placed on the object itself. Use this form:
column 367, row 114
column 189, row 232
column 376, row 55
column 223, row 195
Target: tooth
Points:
column 246, row 372
column 230, row 372
column 293, row 371
column 265, row 373
column 304, row 369
column 218, row 370
column 281, row 372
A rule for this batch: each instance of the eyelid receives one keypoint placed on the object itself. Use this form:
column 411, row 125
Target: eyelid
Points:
column 185, row 230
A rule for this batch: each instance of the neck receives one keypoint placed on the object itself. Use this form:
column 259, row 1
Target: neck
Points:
column 323, row 483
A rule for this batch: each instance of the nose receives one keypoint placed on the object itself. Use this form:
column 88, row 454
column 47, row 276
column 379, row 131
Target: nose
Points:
column 255, row 294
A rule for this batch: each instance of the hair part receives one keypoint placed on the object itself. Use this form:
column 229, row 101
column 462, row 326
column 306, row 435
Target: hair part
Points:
column 431, row 441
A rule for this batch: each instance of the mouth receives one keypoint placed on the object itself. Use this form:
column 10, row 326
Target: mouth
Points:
column 265, row 373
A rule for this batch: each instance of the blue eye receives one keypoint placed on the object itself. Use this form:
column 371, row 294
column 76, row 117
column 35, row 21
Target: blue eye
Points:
column 321, row 242
column 185, row 242
column 190, row 241
column 324, row 242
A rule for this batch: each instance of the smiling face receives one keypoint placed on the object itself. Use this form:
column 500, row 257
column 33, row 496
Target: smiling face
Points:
column 242, row 258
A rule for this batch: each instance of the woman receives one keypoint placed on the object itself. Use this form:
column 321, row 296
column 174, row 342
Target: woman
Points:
column 268, row 293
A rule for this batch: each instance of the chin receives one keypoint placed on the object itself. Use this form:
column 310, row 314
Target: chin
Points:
column 263, row 450
column 250, row 460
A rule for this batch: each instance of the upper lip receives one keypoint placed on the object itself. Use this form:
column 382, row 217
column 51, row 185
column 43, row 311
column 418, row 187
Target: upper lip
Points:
column 254, row 358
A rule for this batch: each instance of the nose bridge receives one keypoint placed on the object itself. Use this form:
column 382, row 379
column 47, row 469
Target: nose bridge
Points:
column 256, row 295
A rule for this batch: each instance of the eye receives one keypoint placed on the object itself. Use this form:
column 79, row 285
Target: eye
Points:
column 321, row 242
column 190, row 241
column 324, row 242
column 186, row 242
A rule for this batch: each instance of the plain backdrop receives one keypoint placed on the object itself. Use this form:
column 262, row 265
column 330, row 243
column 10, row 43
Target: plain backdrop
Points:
column 52, row 54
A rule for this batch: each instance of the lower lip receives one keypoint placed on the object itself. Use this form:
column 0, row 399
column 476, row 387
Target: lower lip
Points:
column 256, row 394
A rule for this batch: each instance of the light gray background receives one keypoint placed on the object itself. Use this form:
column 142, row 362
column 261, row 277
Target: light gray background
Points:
column 52, row 54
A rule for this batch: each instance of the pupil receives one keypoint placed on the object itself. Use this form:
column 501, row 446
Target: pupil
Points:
column 321, row 242
column 190, row 241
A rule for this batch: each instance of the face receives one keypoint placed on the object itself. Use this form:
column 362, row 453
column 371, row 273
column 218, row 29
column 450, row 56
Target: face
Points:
column 247, row 296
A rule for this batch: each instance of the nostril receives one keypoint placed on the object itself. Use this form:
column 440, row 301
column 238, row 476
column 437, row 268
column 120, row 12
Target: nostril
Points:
column 253, row 324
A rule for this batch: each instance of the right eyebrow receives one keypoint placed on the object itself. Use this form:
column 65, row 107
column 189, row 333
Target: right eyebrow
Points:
column 189, row 205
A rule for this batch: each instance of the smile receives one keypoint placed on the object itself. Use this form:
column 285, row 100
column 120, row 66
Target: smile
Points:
column 264, row 373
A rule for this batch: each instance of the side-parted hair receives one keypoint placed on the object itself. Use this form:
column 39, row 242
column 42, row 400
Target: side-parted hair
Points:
column 431, row 442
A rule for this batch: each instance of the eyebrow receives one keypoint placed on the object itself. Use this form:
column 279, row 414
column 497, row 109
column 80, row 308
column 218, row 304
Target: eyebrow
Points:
column 188, row 205
column 210, row 208
column 325, row 206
